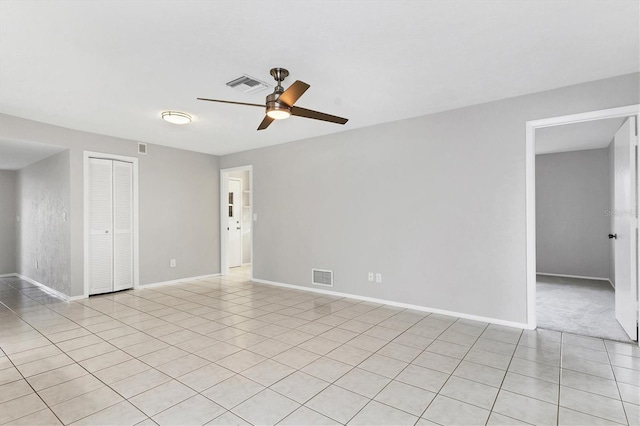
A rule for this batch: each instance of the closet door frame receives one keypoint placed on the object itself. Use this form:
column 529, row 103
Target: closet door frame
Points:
column 134, row 161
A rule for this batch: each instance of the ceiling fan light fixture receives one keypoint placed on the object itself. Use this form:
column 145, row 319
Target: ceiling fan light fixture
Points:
column 278, row 113
column 176, row 117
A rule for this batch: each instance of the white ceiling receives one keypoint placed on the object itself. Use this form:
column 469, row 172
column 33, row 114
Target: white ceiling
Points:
column 576, row 137
column 15, row 155
column 111, row 67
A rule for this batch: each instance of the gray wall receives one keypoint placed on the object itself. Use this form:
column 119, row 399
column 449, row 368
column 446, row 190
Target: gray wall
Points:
column 434, row 203
column 179, row 202
column 7, row 222
column 43, row 193
column 179, row 214
column 572, row 199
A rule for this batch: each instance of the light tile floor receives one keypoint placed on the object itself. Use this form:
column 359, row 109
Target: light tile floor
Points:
column 227, row 351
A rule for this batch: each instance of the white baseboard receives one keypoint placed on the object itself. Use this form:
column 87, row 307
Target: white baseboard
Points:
column 397, row 304
column 178, row 281
column 13, row 274
column 48, row 289
column 575, row 276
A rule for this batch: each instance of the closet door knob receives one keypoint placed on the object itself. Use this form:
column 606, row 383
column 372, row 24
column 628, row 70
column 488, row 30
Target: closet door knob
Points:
column 613, row 236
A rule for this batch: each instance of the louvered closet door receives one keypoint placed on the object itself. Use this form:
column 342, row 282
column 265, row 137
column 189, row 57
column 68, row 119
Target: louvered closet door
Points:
column 111, row 225
column 100, row 226
column 122, row 225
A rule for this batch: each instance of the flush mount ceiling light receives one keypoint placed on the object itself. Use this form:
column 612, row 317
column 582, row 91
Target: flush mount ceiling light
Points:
column 176, row 117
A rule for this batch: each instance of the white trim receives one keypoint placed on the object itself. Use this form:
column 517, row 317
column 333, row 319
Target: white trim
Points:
column 530, row 206
column 530, row 187
column 578, row 276
column 224, row 189
column 136, row 234
column 74, row 298
column 178, row 281
column 582, row 277
column 619, row 112
column 13, row 274
column 45, row 288
column 397, row 304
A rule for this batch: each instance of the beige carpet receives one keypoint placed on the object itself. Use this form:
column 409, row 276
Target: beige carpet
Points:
column 580, row 306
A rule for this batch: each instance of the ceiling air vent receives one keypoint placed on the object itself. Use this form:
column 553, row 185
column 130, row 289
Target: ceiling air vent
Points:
column 142, row 148
column 322, row 277
column 247, row 84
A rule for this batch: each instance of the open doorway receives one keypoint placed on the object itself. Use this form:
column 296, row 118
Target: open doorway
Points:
column 581, row 194
column 236, row 218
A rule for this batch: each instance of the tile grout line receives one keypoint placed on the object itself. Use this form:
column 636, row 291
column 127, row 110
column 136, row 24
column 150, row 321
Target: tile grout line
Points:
column 172, row 378
column 320, row 356
column 598, row 395
column 188, row 299
column 560, row 377
column 25, row 379
column 352, row 366
column 624, row 409
column 376, row 324
column 88, row 372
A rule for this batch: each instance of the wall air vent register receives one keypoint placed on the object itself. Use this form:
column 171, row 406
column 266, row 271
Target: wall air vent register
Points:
column 322, row 277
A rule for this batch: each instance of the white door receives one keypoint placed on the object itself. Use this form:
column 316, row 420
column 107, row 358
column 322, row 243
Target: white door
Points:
column 234, row 248
column 122, row 225
column 110, row 225
column 625, row 227
column 100, row 226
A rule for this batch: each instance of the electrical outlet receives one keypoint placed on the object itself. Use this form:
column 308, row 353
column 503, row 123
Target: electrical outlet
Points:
column 370, row 276
column 378, row 277
column 172, row 263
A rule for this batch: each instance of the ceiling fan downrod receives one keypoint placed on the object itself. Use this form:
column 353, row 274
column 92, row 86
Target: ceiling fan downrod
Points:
column 279, row 74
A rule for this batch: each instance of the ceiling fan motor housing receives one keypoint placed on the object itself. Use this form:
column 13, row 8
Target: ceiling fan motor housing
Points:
column 273, row 104
column 279, row 74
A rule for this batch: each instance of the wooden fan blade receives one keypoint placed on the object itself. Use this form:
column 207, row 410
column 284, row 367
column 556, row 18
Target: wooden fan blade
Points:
column 231, row 102
column 307, row 113
column 265, row 123
column 293, row 93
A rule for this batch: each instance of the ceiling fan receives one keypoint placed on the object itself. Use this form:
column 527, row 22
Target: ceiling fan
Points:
column 279, row 104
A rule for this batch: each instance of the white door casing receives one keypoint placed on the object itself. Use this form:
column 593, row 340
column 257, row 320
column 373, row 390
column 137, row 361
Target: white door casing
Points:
column 234, row 244
column 625, row 227
column 530, row 188
column 224, row 214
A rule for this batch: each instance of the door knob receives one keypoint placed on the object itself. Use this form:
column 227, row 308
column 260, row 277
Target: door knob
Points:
column 613, row 236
